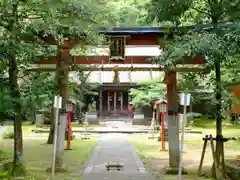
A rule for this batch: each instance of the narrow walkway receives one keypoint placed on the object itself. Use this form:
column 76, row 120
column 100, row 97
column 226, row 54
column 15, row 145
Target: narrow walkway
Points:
column 115, row 148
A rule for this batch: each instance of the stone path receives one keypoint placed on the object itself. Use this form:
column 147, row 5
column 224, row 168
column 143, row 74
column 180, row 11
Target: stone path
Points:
column 115, row 148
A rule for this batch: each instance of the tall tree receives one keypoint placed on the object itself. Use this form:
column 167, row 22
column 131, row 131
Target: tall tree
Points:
column 18, row 19
column 130, row 13
column 214, row 44
column 151, row 90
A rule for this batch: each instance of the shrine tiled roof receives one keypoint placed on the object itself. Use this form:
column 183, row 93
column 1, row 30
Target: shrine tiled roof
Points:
column 162, row 29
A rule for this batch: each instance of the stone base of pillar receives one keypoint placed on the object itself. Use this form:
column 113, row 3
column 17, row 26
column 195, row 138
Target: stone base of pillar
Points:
column 171, row 170
column 139, row 119
column 92, row 118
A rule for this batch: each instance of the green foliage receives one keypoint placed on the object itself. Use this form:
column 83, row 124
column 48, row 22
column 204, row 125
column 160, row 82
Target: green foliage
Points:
column 9, row 133
column 129, row 13
column 23, row 27
column 82, row 91
column 192, row 11
column 219, row 45
column 35, row 20
column 166, row 10
column 150, row 91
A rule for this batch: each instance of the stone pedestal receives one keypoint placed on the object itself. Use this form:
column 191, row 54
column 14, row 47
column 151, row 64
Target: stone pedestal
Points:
column 92, row 118
column 139, row 119
column 39, row 119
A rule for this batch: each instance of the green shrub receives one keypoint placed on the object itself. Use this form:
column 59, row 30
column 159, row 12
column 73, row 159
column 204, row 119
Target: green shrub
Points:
column 193, row 115
column 4, row 156
column 9, row 133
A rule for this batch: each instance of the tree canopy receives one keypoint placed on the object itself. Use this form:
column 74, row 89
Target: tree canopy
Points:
column 149, row 92
column 218, row 44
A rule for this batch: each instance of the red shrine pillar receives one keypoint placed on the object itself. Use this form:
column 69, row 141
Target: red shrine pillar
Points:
column 114, row 102
column 64, row 59
column 108, row 101
column 62, row 74
column 173, row 123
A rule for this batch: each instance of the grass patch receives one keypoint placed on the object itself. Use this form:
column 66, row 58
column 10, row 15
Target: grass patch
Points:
column 38, row 157
column 156, row 160
column 208, row 126
column 4, row 156
column 206, row 123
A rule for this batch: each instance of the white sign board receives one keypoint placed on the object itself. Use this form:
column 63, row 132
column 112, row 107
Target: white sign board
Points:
column 69, row 107
column 57, row 102
column 185, row 99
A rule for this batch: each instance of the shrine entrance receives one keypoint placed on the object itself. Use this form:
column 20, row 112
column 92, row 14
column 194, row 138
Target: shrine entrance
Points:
column 129, row 49
column 117, row 102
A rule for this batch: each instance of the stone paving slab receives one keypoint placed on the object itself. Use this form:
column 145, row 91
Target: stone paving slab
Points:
column 116, row 176
column 115, row 148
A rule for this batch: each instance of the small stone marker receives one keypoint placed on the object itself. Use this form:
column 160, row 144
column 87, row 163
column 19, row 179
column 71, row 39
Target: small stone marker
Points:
column 85, row 134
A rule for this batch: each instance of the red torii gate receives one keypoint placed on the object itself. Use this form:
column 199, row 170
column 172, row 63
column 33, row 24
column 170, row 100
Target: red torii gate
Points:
column 131, row 37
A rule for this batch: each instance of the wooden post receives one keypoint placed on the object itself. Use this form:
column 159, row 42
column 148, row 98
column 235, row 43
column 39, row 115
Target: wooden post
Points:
column 173, row 125
column 215, row 165
column 202, row 156
column 163, row 133
column 223, row 160
column 100, row 102
column 121, row 94
column 157, row 116
column 108, row 102
column 69, row 130
column 62, row 73
column 115, row 102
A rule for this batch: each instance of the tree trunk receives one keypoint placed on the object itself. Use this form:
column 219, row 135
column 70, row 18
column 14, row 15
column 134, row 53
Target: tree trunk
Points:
column 52, row 126
column 217, row 65
column 18, row 167
column 62, row 85
column 51, row 134
column 218, row 114
column 33, row 113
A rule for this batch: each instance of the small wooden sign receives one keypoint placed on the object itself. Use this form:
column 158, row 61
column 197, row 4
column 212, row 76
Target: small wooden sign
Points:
column 69, row 107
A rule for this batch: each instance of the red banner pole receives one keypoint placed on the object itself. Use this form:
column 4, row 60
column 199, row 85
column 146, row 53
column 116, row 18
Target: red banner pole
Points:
column 69, row 131
column 162, row 128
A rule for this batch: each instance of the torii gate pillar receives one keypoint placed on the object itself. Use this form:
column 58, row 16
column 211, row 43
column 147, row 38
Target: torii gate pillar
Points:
column 173, row 125
column 62, row 66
